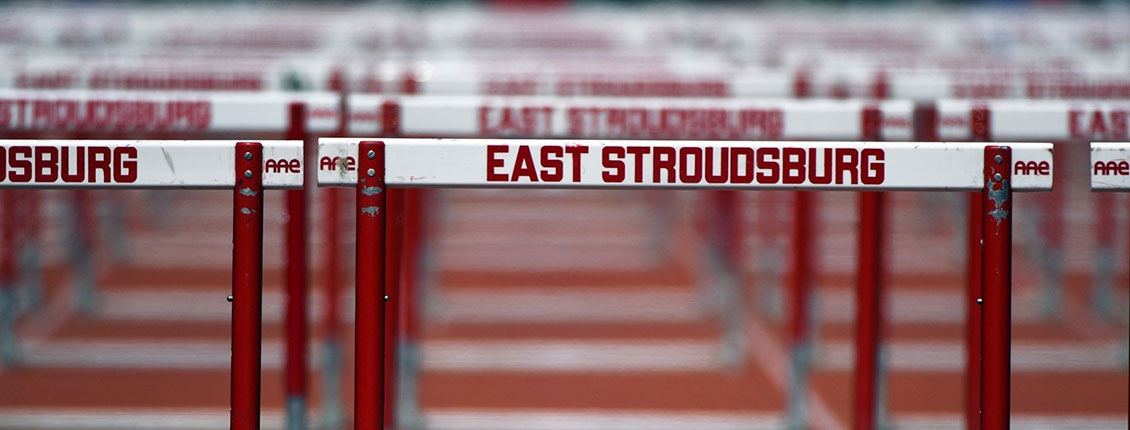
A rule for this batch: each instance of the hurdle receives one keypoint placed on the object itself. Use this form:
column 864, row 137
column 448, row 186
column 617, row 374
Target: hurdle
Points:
column 119, row 114
column 161, row 165
column 478, row 163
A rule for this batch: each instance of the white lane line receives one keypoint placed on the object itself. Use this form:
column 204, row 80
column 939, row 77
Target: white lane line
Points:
column 943, row 304
column 1047, row 357
column 529, row 259
column 481, row 419
column 597, row 355
column 774, row 362
column 203, row 304
column 1017, row 421
column 472, row 239
column 461, row 305
column 573, row 356
column 148, row 354
column 539, row 355
column 506, row 419
column 120, row 418
column 571, row 304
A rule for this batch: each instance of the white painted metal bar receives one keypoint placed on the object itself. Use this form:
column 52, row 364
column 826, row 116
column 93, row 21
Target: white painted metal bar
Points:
column 140, row 164
column 608, row 118
column 1110, row 166
column 181, row 112
column 498, row 163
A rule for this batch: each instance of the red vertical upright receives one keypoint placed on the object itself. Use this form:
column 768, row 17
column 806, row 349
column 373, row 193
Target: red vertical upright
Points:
column 368, row 406
column 869, row 292
column 247, row 286
column 394, row 234
column 296, row 333
column 996, row 283
column 332, row 225
column 413, row 220
column 800, row 267
column 332, row 266
column 868, row 309
column 8, row 248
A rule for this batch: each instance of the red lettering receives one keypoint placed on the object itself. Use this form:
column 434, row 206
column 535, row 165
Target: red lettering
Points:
column 65, row 165
column 686, row 175
column 637, row 153
column 555, row 165
column 664, row 160
column 46, row 164
column 575, row 152
column 792, row 163
column 738, row 175
column 768, row 165
column 814, row 177
column 873, row 168
column 99, row 160
column 723, row 174
column 524, row 165
column 614, row 169
column 493, row 163
column 125, row 163
column 846, row 161
column 1073, row 123
column 19, row 157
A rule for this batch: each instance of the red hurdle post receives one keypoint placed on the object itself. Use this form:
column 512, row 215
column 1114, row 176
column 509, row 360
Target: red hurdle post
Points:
column 869, row 295
column 332, row 363
column 368, row 409
column 8, row 345
column 296, row 332
column 869, row 309
column 798, row 306
column 996, row 281
column 247, row 286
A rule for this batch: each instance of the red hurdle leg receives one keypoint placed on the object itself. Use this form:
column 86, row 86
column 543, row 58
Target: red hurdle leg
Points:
column 332, row 362
column 996, row 283
column 368, row 407
column 247, row 286
column 799, row 306
column 8, row 345
column 332, row 409
column 83, row 250
column 973, row 314
column 394, row 234
column 869, row 309
column 296, row 333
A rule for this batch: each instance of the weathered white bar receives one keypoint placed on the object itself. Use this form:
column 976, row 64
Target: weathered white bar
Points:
column 1034, row 120
column 131, row 111
column 683, row 164
column 643, row 118
column 141, row 164
column 1110, row 166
